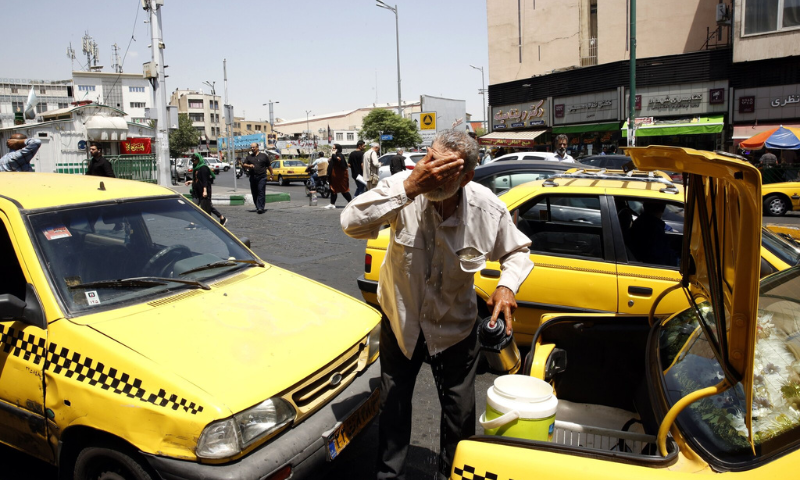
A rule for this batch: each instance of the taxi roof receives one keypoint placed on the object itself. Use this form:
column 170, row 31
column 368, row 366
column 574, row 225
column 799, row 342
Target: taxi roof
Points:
column 42, row 190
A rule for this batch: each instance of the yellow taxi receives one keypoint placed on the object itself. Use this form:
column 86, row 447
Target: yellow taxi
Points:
column 713, row 389
column 590, row 254
column 286, row 171
column 142, row 340
column 780, row 198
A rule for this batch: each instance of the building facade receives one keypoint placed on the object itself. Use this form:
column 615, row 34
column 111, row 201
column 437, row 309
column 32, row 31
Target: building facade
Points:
column 129, row 92
column 205, row 111
column 51, row 95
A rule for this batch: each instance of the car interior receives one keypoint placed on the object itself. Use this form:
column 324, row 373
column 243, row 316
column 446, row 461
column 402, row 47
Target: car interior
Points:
column 564, row 225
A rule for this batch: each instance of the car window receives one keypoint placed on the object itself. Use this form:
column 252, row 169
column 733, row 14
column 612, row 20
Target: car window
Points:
column 417, row 158
column 12, row 281
column 533, row 157
column 276, row 164
column 563, row 225
column 293, row 163
column 385, row 160
column 652, row 230
column 518, row 178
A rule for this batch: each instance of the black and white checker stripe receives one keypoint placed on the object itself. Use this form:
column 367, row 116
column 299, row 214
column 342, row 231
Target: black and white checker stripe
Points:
column 468, row 473
column 28, row 347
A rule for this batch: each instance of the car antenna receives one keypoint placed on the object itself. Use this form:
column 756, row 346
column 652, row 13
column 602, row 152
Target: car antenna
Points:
column 102, row 186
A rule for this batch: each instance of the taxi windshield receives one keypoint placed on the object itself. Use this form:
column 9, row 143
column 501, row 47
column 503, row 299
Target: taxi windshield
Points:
column 717, row 423
column 780, row 247
column 108, row 255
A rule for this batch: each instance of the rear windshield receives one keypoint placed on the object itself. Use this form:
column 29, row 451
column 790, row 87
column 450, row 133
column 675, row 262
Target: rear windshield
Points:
column 780, row 248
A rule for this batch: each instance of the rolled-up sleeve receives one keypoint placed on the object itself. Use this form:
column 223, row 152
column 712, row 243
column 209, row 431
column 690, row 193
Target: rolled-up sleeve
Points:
column 511, row 249
column 364, row 216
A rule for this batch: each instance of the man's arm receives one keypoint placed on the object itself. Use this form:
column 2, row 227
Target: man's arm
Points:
column 269, row 165
column 108, row 170
column 364, row 216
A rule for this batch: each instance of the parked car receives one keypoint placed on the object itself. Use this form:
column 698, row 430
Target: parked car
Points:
column 218, row 166
column 501, row 176
column 780, row 198
column 183, row 169
column 579, row 223
column 286, row 171
column 145, row 341
column 711, row 390
column 520, row 156
column 411, row 159
column 605, row 161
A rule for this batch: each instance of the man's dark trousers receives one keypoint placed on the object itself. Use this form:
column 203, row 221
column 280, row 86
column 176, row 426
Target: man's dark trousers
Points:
column 258, row 185
column 454, row 374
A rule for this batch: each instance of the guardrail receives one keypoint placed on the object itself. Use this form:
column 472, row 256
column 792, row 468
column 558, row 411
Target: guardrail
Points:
column 142, row 168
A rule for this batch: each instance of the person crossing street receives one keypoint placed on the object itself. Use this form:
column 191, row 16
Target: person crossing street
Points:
column 257, row 163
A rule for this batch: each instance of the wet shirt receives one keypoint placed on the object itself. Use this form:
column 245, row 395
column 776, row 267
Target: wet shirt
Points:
column 427, row 277
column 260, row 163
column 20, row 160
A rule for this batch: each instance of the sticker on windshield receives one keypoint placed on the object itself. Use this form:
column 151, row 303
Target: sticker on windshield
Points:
column 54, row 233
column 92, row 298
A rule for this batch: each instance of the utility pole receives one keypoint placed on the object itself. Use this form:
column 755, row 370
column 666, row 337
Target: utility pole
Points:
column 159, row 91
column 229, row 121
column 632, row 88
column 483, row 97
column 381, row 4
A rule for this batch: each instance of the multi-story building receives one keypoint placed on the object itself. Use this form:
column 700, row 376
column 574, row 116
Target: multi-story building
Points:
column 205, row 111
column 50, row 94
column 241, row 126
column 693, row 56
column 129, row 92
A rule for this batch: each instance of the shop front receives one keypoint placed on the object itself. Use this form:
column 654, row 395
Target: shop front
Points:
column 591, row 122
column 689, row 115
column 521, row 126
column 756, row 110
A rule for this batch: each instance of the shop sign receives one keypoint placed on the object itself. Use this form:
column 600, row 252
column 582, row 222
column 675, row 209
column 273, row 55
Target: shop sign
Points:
column 716, row 96
column 778, row 103
column 675, row 102
column 519, row 115
column 639, row 121
column 136, row 146
column 588, row 108
column 506, row 142
column 637, row 102
column 700, row 98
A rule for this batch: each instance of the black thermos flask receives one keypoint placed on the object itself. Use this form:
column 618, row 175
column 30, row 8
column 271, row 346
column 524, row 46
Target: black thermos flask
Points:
column 499, row 349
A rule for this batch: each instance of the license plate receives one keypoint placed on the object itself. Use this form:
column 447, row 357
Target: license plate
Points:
column 345, row 431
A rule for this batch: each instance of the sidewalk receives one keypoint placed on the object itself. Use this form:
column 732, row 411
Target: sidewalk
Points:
column 241, row 196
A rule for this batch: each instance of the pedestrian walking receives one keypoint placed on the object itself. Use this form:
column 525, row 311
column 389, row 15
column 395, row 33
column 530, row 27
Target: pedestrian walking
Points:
column 202, row 179
column 355, row 160
column 257, row 163
column 98, row 165
column 560, row 154
column 338, row 178
column 23, row 149
column 429, row 309
column 397, row 163
column 370, row 166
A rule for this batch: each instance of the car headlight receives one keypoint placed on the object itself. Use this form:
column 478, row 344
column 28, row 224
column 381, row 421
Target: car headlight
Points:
column 374, row 343
column 229, row 437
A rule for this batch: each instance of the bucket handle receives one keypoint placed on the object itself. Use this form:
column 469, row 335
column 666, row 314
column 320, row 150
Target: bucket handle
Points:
column 499, row 421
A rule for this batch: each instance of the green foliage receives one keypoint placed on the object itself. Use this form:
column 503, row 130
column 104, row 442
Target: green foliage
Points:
column 480, row 131
column 403, row 130
column 183, row 138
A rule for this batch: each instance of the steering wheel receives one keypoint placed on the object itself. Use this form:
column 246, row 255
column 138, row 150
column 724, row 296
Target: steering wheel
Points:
column 165, row 257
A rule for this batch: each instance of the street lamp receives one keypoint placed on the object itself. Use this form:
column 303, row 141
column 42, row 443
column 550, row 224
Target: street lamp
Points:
column 211, row 84
column 271, row 117
column 397, row 34
column 483, row 96
column 308, row 130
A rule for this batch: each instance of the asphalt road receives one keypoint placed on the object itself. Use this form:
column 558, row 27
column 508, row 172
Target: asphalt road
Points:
column 308, row 240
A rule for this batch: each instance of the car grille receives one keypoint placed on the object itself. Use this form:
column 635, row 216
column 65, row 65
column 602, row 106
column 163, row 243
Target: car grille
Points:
column 328, row 381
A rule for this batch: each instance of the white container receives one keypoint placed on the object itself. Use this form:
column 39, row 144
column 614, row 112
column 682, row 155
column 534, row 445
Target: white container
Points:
column 520, row 406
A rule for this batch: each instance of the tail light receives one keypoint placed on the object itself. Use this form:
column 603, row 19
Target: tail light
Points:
column 409, row 167
column 281, row 474
column 368, row 263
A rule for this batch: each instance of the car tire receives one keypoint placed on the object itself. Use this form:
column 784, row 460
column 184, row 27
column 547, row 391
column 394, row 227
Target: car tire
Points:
column 775, row 205
column 282, row 181
column 99, row 463
column 226, row 169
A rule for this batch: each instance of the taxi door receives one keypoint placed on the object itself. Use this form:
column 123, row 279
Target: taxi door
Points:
column 22, row 355
column 571, row 248
column 647, row 266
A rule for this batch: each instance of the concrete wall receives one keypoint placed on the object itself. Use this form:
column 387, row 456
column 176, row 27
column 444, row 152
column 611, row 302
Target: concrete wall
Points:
column 551, row 33
column 747, row 48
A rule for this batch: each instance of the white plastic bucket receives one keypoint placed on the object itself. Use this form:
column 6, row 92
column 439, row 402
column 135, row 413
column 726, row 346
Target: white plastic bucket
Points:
column 520, row 406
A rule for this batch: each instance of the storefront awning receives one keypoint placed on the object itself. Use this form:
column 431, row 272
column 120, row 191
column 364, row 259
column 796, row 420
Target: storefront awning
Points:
column 510, row 139
column 743, row 132
column 699, row 126
column 106, row 129
column 588, row 127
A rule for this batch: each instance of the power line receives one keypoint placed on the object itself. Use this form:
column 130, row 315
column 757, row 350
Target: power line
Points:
column 136, row 19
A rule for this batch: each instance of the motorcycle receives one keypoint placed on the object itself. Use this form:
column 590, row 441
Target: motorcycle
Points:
column 321, row 186
column 239, row 170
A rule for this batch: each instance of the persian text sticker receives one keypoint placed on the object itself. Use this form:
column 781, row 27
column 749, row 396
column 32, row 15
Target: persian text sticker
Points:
column 92, row 298
column 54, row 233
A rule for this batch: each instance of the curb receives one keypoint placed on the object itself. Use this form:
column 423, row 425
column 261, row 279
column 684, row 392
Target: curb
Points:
column 247, row 199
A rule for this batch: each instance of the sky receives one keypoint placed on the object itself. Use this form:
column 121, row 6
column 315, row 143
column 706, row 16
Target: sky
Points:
column 320, row 55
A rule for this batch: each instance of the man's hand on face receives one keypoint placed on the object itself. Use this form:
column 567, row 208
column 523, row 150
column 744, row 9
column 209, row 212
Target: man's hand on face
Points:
column 502, row 300
column 437, row 168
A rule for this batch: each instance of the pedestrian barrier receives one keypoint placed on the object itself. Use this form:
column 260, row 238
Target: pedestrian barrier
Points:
column 142, row 168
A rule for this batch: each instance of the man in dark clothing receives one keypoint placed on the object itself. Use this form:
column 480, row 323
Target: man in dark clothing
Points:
column 257, row 163
column 398, row 162
column 648, row 237
column 98, row 165
column 354, row 160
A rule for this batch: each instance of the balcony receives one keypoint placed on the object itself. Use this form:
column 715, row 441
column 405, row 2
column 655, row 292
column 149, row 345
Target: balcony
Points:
column 591, row 58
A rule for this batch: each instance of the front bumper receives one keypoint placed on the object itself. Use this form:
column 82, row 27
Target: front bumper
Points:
column 302, row 447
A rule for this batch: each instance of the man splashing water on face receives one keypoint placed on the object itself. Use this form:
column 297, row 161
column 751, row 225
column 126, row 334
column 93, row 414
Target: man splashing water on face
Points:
column 442, row 226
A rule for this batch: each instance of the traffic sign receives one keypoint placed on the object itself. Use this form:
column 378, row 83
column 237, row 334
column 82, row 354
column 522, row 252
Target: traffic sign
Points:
column 427, row 121
column 386, row 137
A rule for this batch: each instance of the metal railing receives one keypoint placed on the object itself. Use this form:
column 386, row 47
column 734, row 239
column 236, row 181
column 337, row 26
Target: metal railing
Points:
column 591, row 58
column 142, row 168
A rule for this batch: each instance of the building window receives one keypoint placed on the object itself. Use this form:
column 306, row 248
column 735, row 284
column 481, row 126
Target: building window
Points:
column 139, row 120
column 136, row 89
column 137, row 104
column 214, row 105
column 14, row 89
column 42, row 91
column 761, row 16
column 17, row 106
column 200, row 130
column 339, row 136
column 195, row 104
column 63, row 105
column 41, row 107
column 258, row 128
column 196, row 117
column 86, row 88
column 249, row 126
column 351, row 136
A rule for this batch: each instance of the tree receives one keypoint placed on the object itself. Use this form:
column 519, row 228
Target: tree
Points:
column 183, row 138
column 403, row 131
column 480, row 131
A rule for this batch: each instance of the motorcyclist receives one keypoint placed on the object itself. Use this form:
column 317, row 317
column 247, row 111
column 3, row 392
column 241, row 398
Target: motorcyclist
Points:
column 319, row 169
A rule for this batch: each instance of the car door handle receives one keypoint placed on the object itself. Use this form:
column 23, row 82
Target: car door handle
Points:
column 490, row 273
column 640, row 291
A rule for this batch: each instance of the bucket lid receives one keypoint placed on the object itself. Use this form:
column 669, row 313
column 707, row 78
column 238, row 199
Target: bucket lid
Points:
column 533, row 398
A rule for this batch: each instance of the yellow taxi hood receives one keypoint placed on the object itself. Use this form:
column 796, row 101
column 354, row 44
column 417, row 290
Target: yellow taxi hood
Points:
column 246, row 340
column 723, row 223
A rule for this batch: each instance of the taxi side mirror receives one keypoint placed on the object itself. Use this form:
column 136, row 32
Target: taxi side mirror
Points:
column 11, row 307
column 246, row 241
column 29, row 311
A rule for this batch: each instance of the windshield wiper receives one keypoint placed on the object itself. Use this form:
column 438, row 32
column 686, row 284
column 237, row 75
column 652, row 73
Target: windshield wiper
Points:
column 223, row 263
column 139, row 282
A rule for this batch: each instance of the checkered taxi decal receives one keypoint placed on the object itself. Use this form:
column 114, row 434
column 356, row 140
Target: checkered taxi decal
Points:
column 60, row 361
column 468, row 473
